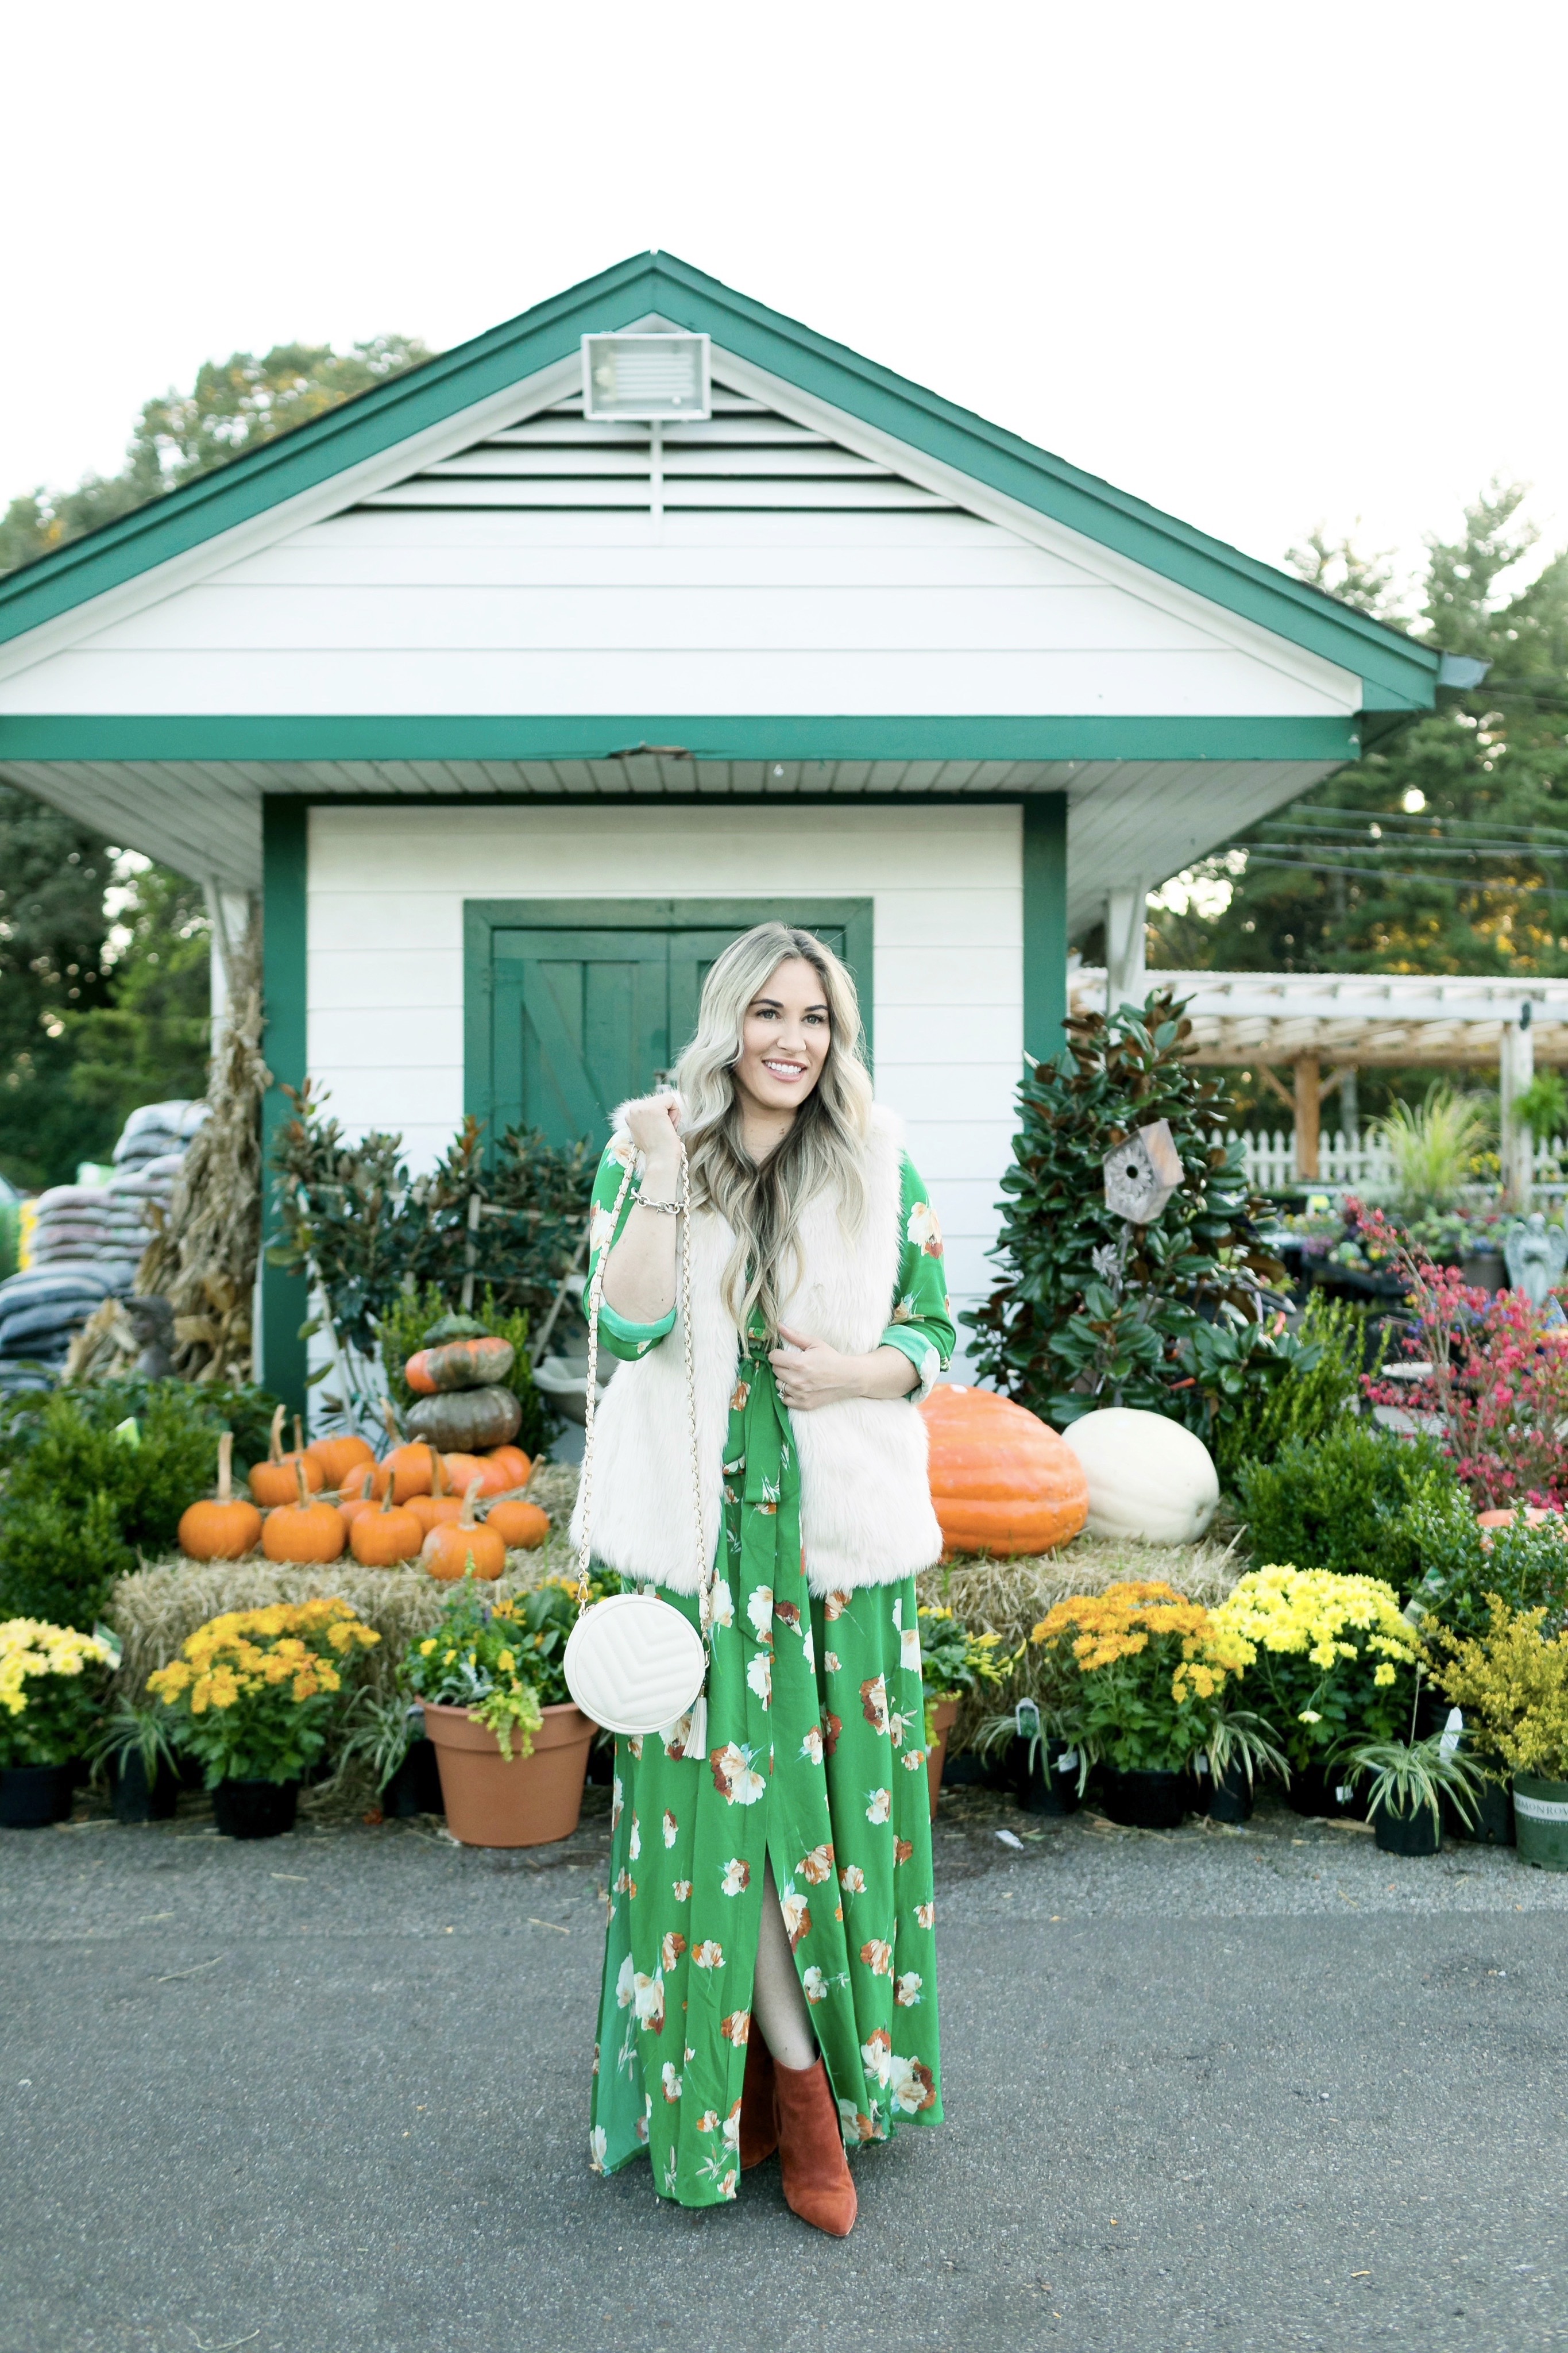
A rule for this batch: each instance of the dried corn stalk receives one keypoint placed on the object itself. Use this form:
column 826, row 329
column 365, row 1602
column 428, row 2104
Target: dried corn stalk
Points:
column 203, row 1255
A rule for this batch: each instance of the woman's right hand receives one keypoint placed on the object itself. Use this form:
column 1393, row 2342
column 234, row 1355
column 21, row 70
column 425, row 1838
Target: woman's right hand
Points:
column 653, row 1125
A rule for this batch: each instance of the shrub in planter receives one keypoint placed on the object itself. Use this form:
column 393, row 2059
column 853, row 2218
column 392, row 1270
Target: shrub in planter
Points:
column 1329, row 1660
column 253, row 1696
column 1463, row 1564
column 1340, row 1502
column 51, row 1690
column 1512, row 1683
column 954, row 1663
column 1137, row 1673
column 512, row 1746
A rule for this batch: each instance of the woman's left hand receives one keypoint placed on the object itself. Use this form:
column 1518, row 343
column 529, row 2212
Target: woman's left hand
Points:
column 809, row 1373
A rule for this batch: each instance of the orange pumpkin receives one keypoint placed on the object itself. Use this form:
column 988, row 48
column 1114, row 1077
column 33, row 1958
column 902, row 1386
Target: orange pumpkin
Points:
column 458, row 1547
column 520, row 1525
column 358, row 1485
column 1001, row 1481
column 353, row 1507
column 305, row 1530
column 462, row 1470
column 512, row 1461
column 273, row 1482
column 459, row 1365
column 226, row 1528
column 337, row 1457
column 381, row 1539
column 440, row 1503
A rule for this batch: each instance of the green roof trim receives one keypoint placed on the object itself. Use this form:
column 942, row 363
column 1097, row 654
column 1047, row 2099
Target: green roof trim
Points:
column 1397, row 674
column 388, row 736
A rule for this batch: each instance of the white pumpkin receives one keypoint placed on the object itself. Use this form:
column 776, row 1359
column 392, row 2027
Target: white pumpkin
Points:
column 1149, row 1478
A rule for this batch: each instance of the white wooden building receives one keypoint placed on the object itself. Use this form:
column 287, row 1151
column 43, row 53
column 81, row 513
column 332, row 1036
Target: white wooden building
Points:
column 513, row 711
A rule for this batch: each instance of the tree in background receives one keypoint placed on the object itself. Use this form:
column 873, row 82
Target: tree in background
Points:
column 1444, row 850
column 101, row 1010
column 233, row 405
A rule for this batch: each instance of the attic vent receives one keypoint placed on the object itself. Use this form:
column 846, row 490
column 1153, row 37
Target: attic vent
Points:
column 648, row 378
column 742, row 456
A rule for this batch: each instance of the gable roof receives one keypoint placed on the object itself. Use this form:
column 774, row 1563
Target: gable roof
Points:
column 1397, row 673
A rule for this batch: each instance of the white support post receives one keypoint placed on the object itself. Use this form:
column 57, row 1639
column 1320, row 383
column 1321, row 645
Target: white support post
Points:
column 1517, row 1146
column 230, row 911
column 1126, row 945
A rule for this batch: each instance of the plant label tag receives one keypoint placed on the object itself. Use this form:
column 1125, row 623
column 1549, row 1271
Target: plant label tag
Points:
column 1344, row 1793
column 1067, row 1761
column 1452, row 1733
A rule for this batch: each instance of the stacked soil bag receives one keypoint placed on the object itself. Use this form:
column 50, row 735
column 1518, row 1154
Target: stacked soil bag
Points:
column 87, row 1242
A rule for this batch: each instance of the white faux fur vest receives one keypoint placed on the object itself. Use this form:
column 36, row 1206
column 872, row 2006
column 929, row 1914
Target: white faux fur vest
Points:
column 866, row 1509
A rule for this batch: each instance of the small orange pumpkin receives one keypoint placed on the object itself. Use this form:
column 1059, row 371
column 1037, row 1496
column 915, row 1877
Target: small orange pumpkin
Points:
column 456, row 1547
column 359, row 1484
column 462, row 1470
column 226, row 1528
column 1001, row 1481
column 440, row 1503
column 381, row 1539
column 337, row 1457
column 520, row 1525
column 273, row 1482
column 354, row 1507
column 306, row 1530
column 513, row 1461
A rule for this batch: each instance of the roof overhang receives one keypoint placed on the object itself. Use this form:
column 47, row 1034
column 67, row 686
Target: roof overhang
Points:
column 1358, row 1018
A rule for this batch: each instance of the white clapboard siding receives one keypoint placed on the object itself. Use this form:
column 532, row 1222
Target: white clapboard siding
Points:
column 749, row 564
column 385, row 955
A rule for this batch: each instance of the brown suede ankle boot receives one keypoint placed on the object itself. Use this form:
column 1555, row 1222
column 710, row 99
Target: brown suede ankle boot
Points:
column 759, row 2117
column 817, row 2183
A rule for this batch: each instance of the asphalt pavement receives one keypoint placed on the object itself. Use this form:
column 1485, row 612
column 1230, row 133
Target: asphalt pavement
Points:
column 327, row 2093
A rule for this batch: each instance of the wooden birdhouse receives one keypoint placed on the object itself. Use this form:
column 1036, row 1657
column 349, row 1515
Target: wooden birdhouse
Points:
column 1142, row 1174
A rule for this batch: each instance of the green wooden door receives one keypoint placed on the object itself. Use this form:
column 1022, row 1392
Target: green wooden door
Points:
column 571, row 1006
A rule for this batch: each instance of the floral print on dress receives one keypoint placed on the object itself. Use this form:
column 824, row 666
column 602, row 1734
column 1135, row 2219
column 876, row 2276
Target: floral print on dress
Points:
column 785, row 1777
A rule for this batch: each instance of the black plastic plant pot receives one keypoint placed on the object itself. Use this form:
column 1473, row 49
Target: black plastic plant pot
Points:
column 415, row 1787
column 1146, row 1800
column 1490, row 1818
column 1418, row 1833
column 34, row 1796
column 1049, row 1785
column 255, row 1810
column 1329, row 1795
column 136, row 1801
column 1231, row 1794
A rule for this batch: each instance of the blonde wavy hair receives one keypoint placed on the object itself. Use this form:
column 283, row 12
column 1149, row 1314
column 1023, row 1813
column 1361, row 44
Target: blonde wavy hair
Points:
column 824, row 1151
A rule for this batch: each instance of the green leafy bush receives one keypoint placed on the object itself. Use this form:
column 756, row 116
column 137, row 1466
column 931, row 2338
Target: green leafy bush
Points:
column 1462, row 1564
column 1313, row 1395
column 96, row 1476
column 1341, row 1501
column 1173, row 1317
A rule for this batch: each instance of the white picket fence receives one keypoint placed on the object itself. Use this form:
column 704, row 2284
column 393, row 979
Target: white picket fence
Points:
column 1362, row 1164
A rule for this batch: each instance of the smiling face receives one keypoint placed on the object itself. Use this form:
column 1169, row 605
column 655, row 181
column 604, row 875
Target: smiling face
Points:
column 783, row 1041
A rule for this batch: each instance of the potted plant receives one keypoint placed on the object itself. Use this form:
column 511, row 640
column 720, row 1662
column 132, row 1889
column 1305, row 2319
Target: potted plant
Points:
column 1140, row 1669
column 1240, row 1750
column 252, row 1696
column 953, row 1662
column 512, row 1746
column 1042, row 1758
column 1329, row 1661
column 1512, row 1684
column 51, row 1687
column 1408, row 1781
column 134, row 1746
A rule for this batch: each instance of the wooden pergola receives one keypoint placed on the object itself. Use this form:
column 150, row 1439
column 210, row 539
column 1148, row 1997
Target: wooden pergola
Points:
column 1269, row 1020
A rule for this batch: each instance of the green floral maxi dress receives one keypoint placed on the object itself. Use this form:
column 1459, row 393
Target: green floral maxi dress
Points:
column 815, row 1760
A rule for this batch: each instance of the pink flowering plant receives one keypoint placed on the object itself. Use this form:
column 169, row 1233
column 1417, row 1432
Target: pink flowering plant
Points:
column 1498, row 1387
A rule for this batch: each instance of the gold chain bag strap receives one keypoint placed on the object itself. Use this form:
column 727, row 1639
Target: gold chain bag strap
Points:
column 632, row 1662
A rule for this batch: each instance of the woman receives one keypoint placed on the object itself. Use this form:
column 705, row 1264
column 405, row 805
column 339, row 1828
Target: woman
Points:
column 770, row 1977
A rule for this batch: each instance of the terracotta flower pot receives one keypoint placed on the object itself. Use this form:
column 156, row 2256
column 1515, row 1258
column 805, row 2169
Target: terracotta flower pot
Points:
column 942, row 1715
column 493, row 1801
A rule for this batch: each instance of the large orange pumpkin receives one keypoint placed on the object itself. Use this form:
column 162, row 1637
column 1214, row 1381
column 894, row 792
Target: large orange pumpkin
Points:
column 1001, row 1481
column 455, row 1546
column 337, row 1457
column 273, row 1482
column 520, row 1525
column 381, row 1539
column 226, row 1528
column 306, row 1530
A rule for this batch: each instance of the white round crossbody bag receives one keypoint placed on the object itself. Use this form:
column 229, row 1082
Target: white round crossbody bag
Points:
column 632, row 1662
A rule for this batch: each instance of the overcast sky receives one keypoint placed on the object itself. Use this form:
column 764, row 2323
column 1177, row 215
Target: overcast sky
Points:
column 1264, row 265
